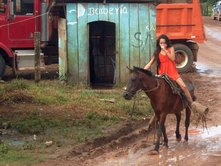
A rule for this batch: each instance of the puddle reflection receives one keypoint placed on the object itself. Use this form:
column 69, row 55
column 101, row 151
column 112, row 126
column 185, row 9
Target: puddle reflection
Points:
column 202, row 143
column 204, row 69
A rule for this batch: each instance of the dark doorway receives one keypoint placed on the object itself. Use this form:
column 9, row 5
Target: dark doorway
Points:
column 102, row 53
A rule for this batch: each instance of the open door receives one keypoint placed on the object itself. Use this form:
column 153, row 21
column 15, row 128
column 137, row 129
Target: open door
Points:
column 102, row 53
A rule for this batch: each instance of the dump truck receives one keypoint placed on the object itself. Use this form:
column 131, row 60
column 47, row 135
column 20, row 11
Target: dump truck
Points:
column 182, row 23
column 19, row 20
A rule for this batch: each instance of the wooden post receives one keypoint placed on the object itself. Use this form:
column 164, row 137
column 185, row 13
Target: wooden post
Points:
column 37, row 56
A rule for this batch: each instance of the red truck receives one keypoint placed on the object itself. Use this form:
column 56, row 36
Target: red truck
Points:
column 183, row 23
column 19, row 19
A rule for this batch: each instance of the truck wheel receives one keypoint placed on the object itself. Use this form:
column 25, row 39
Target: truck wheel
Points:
column 183, row 57
column 2, row 67
column 214, row 18
column 219, row 16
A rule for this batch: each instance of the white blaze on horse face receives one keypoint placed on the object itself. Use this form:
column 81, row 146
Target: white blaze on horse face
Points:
column 125, row 88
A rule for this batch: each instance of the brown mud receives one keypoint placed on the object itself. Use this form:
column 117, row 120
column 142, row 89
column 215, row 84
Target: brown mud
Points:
column 133, row 148
column 130, row 143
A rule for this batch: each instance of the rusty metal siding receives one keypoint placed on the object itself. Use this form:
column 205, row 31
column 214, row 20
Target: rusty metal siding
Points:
column 135, row 36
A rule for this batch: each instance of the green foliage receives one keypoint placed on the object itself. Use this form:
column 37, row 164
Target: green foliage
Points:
column 3, row 149
column 17, row 84
column 20, row 158
column 81, row 114
column 33, row 123
column 53, row 92
column 14, row 86
column 211, row 2
column 92, row 126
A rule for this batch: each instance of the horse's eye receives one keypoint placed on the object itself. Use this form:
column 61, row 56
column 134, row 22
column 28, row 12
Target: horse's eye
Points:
column 133, row 79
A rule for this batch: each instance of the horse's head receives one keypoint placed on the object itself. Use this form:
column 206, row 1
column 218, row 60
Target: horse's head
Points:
column 134, row 83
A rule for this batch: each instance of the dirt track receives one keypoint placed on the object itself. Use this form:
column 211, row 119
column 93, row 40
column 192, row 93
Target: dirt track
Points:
column 204, row 146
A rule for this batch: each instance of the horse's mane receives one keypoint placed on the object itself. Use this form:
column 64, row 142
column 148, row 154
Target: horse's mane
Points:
column 147, row 72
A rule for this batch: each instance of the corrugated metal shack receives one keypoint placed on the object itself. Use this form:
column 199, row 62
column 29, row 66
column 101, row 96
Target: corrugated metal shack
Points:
column 104, row 38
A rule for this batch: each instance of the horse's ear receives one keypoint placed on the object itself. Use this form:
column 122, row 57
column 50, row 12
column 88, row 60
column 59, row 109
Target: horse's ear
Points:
column 136, row 68
column 130, row 70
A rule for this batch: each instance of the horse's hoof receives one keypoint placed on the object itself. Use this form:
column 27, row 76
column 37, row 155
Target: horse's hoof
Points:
column 154, row 152
column 178, row 139
column 166, row 145
column 185, row 140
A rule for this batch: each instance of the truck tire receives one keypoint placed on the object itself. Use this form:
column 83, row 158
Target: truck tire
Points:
column 219, row 16
column 213, row 17
column 2, row 67
column 183, row 57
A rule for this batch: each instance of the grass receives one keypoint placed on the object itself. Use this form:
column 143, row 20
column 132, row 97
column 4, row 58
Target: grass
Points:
column 60, row 113
column 16, row 157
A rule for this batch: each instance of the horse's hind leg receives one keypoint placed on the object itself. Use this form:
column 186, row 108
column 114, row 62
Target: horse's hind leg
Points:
column 187, row 122
column 178, row 118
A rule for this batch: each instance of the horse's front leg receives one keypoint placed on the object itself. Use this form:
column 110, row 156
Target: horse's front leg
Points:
column 187, row 122
column 159, row 133
column 163, row 128
column 178, row 118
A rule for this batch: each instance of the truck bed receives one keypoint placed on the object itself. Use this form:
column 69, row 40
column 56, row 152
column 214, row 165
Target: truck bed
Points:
column 180, row 21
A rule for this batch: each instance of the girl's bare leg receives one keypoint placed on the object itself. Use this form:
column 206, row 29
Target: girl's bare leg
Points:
column 185, row 90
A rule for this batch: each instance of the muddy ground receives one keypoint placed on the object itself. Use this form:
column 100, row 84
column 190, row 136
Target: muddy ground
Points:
column 204, row 145
column 129, row 143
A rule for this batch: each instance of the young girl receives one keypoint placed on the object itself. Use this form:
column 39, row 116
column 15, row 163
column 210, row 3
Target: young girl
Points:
column 164, row 55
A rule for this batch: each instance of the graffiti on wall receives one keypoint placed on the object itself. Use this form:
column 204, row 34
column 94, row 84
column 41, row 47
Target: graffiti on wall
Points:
column 91, row 11
column 108, row 11
column 141, row 39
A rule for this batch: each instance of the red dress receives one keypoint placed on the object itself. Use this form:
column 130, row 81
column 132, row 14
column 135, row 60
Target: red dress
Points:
column 167, row 66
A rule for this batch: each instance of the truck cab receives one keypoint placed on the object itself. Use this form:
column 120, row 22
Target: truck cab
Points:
column 19, row 20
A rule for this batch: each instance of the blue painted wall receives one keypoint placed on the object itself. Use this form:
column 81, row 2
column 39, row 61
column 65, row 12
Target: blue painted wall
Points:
column 135, row 25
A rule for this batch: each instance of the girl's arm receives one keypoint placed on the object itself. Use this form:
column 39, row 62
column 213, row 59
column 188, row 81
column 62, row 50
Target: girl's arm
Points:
column 147, row 66
column 171, row 53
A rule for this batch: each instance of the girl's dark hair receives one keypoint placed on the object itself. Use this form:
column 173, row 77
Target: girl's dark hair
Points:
column 158, row 48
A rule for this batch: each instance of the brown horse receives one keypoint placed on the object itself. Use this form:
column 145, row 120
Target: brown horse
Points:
column 162, row 99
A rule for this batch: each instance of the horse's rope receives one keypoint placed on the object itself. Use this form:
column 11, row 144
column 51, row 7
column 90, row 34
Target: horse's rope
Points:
column 146, row 91
column 153, row 89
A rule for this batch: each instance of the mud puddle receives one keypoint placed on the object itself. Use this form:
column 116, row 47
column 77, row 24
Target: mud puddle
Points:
column 206, row 70
column 203, row 146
